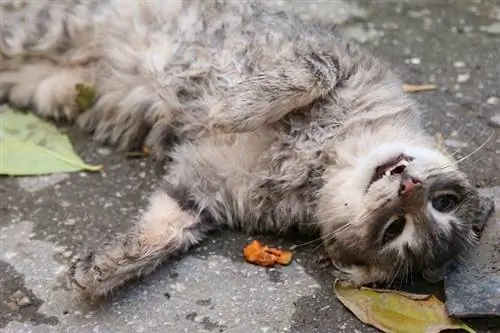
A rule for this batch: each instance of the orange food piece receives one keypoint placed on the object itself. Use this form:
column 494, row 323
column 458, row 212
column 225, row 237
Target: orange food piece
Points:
column 261, row 255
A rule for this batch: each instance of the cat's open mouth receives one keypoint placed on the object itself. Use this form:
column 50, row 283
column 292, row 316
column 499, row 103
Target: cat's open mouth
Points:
column 392, row 167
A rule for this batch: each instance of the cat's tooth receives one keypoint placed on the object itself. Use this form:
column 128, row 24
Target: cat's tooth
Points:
column 387, row 173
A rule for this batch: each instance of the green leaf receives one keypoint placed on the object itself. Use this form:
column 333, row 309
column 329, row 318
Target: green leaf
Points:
column 85, row 96
column 397, row 312
column 32, row 146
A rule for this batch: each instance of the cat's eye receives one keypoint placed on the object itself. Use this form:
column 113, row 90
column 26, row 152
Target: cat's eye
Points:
column 394, row 229
column 445, row 202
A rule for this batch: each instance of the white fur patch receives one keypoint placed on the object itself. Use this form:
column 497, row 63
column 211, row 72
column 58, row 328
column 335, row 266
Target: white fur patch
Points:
column 443, row 220
column 164, row 219
column 406, row 238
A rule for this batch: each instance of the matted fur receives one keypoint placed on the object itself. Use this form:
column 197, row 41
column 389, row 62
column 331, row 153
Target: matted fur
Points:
column 267, row 121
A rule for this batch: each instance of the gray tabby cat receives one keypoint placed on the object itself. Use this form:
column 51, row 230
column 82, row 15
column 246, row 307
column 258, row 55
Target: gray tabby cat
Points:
column 265, row 121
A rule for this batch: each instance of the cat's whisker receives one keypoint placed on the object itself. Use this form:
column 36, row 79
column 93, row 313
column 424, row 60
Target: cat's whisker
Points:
column 336, row 232
column 403, row 273
column 477, row 149
column 315, row 249
column 332, row 235
column 395, row 275
column 325, row 238
column 468, row 155
column 402, row 279
column 463, row 242
column 469, row 140
column 318, row 239
column 409, row 272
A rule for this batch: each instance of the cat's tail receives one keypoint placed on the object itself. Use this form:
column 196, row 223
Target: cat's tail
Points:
column 101, row 64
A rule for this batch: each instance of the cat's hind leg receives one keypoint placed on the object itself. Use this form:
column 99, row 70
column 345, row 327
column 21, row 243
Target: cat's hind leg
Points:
column 166, row 228
column 46, row 49
column 50, row 90
column 139, row 95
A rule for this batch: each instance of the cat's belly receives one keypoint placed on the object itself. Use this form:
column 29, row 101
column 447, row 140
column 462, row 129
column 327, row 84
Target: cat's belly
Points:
column 246, row 180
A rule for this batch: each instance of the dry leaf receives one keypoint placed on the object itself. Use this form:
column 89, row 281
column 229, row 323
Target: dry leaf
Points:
column 397, row 312
column 85, row 96
column 258, row 254
column 411, row 88
column 402, row 293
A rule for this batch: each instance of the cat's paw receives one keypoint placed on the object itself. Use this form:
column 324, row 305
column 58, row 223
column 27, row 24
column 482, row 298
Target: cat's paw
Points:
column 52, row 91
column 97, row 274
column 93, row 276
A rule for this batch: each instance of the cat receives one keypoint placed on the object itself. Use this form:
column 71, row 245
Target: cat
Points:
column 264, row 121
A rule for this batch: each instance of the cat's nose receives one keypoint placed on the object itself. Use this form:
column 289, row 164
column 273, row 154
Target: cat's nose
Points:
column 408, row 185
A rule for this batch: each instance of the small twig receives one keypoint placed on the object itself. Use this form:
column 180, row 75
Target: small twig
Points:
column 411, row 88
column 134, row 154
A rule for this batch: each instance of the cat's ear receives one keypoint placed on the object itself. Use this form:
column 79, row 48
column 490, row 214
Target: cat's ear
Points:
column 268, row 96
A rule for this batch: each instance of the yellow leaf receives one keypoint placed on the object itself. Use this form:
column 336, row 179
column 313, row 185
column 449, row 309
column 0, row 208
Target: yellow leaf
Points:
column 411, row 88
column 397, row 312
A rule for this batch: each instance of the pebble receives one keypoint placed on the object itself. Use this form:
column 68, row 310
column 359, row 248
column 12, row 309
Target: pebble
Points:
column 415, row 61
column 67, row 254
column 493, row 100
column 9, row 255
column 20, row 298
column 462, row 78
column 24, row 301
column 64, row 204
column 70, row 222
column 59, row 249
column 459, row 64
column 179, row 287
column 13, row 306
column 104, row 151
column 492, row 28
column 468, row 28
column 495, row 120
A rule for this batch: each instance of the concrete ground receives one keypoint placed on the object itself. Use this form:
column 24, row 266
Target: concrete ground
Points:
column 44, row 221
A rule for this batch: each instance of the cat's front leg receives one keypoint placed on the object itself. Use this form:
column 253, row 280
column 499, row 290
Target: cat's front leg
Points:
column 268, row 96
column 165, row 229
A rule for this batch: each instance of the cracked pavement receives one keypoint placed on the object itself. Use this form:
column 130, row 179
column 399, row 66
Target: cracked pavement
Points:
column 45, row 220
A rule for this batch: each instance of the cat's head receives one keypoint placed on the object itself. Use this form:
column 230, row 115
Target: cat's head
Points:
column 398, row 210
